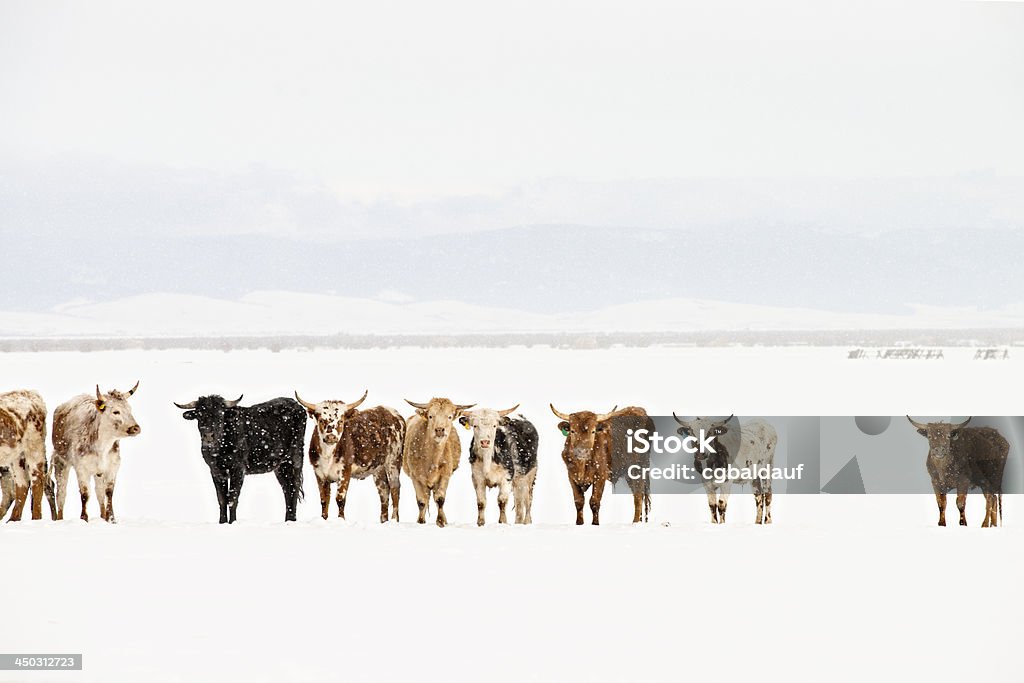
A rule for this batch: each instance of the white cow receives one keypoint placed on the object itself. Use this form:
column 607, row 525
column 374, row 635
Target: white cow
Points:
column 86, row 436
column 22, row 453
column 502, row 455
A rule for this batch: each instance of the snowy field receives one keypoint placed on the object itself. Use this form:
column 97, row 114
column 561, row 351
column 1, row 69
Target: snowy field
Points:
column 839, row 588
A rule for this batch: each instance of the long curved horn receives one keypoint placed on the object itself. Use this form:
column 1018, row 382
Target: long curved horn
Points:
column 132, row 390
column 561, row 416
column 503, row 413
column 918, row 425
column 185, row 406
column 304, row 404
column 464, row 407
column 682, row 422
column 962, row 424
column 349, row 406
column 610, row 414
column 725, row 421
column 232, row 404
column 422, row 406
column 99, row 396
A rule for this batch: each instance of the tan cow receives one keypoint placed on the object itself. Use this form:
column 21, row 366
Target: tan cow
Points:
column 23, row 453
column 349, row 443
column 432, row 451
column 87, row 433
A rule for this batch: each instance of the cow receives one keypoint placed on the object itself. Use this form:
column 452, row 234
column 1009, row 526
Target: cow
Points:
column 87, row 433
column 240, row 440
column 432, row 451
column 750, row 445
column 23, row 454
column 593, row 457
column 962, row 458
column 502, row 454
column 348, row 442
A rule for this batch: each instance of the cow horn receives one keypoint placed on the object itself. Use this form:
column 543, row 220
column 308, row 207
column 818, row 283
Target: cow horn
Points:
column 610, row 414
column 465, row 407
column 421, row 406
column 725, row 421
column 132, row 390
column 503, row 413
column 962, row 424
column 919, row 425
column 99, row 396
column 232, row 404
column 307, row 406
column 349, row 406
column 185, row 406
column 682, row 422
column 559, row 415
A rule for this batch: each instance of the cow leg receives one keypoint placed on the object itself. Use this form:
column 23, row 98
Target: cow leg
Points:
column 578, row 491
column 20, row 475
column 220, row 483
column 396, row 489
column 940, row 500
column 324, row 487
column 723, row 502
column 504, row 493
column 480, row 486
column 759, row 500
column 961, row 505
column 595, row 501
column 528, row 489
column 38, row 488
column 422, row 498
column 381, row 481
column 289, row 487
column 713, row 504
column 83, row 491
column 522, row 486
column 768, row 504
column 442, row 487
column 346, row 479
column 60, row 475
column 235, row 481
column 989, row 510
column 7, row 489
column 99, row 487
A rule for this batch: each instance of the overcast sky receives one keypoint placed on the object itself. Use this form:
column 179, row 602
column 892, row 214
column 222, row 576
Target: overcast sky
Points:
column 420, row 100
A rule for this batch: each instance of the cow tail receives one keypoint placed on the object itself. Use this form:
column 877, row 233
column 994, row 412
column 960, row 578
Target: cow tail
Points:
column 1000, row 520
column 49, row 486
column 647, row 500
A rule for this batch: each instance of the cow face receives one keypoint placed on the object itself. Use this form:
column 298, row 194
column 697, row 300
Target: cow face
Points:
column 940, row 435
column 580, row 431
column 211, row 414
column 712, row 429
column 484, row 423
column 439, row 414
column 330, row 416
column 116, row 414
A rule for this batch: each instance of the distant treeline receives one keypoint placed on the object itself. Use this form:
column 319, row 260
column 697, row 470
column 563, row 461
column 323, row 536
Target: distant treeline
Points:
column 571, row 340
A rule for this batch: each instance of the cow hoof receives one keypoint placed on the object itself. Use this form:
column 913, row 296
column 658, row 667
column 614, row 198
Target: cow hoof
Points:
column 963, row 522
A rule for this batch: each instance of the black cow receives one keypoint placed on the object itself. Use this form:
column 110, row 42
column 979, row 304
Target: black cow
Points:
column 237, row 440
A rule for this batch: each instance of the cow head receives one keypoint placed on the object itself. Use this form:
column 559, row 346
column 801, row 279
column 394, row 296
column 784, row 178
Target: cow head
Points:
column 115, row 412
column 713, row 429
column 940, row 435
column 484, row 423
column 330, row 416
column 581, row 429
column 439, row 413
column 211, row 414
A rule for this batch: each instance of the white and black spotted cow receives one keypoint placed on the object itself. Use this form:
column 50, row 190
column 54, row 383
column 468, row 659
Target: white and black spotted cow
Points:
column 750, row 445
column 502, row 455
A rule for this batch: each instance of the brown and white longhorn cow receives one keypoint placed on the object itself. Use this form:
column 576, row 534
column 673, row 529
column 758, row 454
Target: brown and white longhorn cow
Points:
column 23, row 454
column 348, row 443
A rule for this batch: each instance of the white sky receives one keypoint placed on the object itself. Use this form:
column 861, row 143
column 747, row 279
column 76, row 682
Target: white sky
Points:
column 422, row 99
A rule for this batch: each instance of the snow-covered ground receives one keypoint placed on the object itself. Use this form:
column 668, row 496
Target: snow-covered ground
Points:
column 838, row 588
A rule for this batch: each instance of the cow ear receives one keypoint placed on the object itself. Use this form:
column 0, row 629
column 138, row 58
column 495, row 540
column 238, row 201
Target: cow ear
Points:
column 602, row 427
column 683, row 431
column 922, row 432
column 563, row 427
column 422, row 412
column 464, row 421
column 955, row 434
column 311, row 413
column 189, row 415
column 100, row 406
column 351, row 412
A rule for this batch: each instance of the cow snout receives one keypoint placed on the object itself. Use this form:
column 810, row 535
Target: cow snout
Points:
column 440, row 432
column 134, row 429
column 485, row 443
column 331, row 438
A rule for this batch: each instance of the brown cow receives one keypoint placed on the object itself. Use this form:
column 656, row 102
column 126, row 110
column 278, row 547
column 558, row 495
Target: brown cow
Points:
column 432, row 450
column 592, row 457
column 23, row 454
column 349, row 443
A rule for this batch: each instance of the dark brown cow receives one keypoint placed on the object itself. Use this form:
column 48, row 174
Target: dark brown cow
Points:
column 592, row 458
column 962, row 458
column 349, row 443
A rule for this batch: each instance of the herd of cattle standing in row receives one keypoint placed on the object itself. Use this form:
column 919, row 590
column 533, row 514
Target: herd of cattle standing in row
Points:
column 353, row 443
